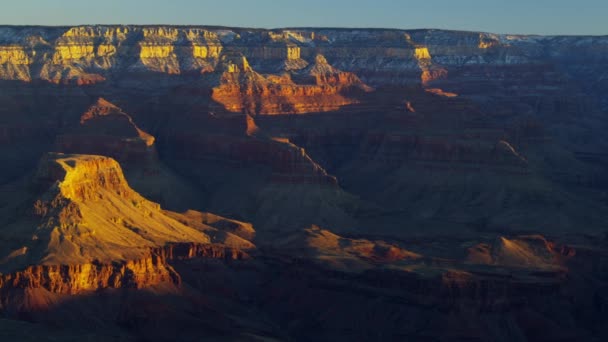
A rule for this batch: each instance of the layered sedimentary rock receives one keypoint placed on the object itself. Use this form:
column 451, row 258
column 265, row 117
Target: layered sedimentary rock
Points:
column 432, row 159
column 461, row 62
column 152, row 269
column 14, row 63
column 174, row 51
column 318, row 88
column 87, row 230
column 88, row 212
column 171, row 50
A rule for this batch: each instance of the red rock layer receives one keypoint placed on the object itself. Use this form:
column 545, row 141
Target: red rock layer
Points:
column 321, row 88
column 150, row 270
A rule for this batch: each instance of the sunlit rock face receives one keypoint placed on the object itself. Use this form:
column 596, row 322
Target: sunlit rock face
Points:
column 446, row 182
column 317, row 88
column 461, row 61
column 88, row 230
column 175, row 51
column 178, row 49
column 14, row 63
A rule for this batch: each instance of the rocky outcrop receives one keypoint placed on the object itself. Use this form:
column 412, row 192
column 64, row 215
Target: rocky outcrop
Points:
column 87, row 230
column 152, row 269
column 106, row 130
column 86, row 50
column 174, row 51
column 468, row 145
column 457, row 62
column 317, row 88
column 75, row 279
column 14, row 63
column 86, row 212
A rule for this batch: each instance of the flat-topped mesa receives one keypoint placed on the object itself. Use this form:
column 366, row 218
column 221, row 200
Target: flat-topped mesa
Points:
column 95, row 185
column 89, row 230
column 82, row 177
column 89, row 205
column 106, row 130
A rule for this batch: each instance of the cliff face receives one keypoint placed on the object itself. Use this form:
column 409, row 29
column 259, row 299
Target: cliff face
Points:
column 89, row 50
column 93, row 54
column 510, row 98
column 321, row 88
column 433, row 160
column 88, row 212
column 152, row 269
column 88, row 230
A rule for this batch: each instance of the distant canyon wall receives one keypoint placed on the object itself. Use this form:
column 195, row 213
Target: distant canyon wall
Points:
column 86, row 54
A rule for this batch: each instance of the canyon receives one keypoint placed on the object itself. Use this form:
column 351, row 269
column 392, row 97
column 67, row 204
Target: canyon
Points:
column 183, row 182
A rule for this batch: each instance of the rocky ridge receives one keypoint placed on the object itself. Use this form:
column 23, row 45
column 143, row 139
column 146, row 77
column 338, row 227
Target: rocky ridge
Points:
column 91, row 54
column 458, row 177
column 88, row 230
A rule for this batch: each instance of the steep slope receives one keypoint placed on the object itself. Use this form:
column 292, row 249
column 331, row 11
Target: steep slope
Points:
column 106, row 130
column 317, row 88
column 527, row 110
column 432, row 187
column 87, row 213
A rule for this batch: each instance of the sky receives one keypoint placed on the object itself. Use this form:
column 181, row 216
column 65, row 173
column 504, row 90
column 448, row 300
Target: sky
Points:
column 497, row 16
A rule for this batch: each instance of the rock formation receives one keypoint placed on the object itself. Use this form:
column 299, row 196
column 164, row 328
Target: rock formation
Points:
column 88, row 230
column 459, row 178
column 319, row 88
column 106, row 130
column 342, row 253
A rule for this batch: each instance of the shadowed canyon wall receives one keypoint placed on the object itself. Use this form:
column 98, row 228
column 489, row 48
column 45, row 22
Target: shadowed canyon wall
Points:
column 375, row 183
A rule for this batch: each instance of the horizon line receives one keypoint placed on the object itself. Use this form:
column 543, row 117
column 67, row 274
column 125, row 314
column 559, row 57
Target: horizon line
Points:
column 313, row 28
